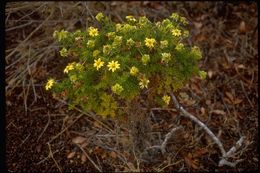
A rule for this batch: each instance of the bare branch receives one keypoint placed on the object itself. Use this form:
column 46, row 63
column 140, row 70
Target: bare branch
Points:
column 166, row 139
column 225, row 155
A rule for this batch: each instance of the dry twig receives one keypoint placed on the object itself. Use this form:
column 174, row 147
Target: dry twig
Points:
column 167, row 137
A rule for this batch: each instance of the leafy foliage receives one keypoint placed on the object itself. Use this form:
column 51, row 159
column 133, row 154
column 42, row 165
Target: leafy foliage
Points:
column 117, row 62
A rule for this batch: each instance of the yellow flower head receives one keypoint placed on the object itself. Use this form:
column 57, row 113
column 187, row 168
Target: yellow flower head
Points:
column 179, row 46
column 90, row 43
column 176, row 32
column 134, row 71
column 144, row 83
column 117, row 88
column 145, row 59
column 93, row 31
column 111, row 35
column 163, row 44
column 202, row 74
column 98, row 63
column 107, row 49
column 166, row 99
column 69, row 67
column 79, row 66
column 150, row 42
column 60, row 35
column 118, row 27
column 64, row 52
column 73, row 78
column 49, row 84
column 130, row 42
column 130, row 18
column 196, row 51
column 96, row 53
column 99, row 16
column 113, row 65
column 166, row 57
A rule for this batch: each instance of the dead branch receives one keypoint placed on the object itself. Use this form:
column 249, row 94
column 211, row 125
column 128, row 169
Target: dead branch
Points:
column 225, row 155
column 166, row 139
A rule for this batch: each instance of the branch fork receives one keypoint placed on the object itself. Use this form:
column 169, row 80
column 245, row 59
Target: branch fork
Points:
column 225, row 155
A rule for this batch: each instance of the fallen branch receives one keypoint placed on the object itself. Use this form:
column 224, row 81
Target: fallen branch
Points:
column 166, row 139
column 225, row 155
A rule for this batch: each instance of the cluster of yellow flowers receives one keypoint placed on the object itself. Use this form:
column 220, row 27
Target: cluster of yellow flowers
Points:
column 137, row 50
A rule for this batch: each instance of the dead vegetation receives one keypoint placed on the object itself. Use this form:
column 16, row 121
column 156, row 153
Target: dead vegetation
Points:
column 43, row 135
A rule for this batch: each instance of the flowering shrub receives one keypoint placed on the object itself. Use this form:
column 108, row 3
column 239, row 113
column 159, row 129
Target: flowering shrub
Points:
column 117, row 62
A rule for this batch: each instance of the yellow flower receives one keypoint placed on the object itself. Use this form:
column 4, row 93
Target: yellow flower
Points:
column 134, row 71
column 150, row 42
column 176, row 32
column 145, row 59
column 196, row 51
column 166, row 57
column 107, row 49
column 130, row 18
column 166, row 99
column 163, row 44
column 117, row 88
column 174, row 16
column 99, row 16
column 113, row 65
column 49, row 84
column 111, row 35
column 144, row 83
column 64, row 52
column 130, row 42
column 179, row 46
column 91, row 43
column 73, row 78
column 93, row 31
column 118, row 27
column 96, row 53
column 78, row 66
column 202, row 74
column 98, row 63
column 60, row 35
column 69, row 67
